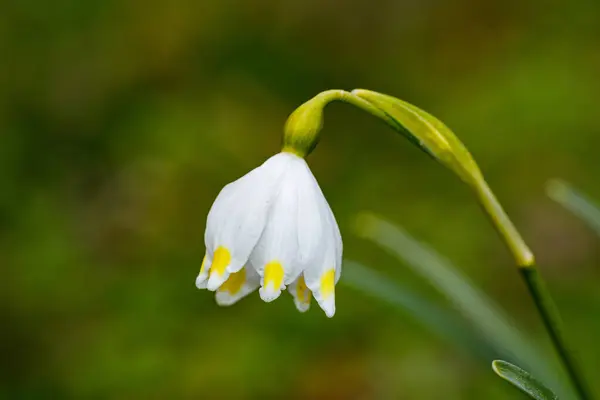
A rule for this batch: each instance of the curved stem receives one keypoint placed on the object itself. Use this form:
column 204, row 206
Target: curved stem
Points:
column 328, row 96
column 535, row 284
column 521, row 252
column 303, row 127
column 553, row 324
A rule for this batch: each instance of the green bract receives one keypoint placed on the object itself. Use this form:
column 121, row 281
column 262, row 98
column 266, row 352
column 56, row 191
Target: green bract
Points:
column 304, row 125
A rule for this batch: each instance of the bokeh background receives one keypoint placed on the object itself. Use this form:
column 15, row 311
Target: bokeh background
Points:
column 120, row 121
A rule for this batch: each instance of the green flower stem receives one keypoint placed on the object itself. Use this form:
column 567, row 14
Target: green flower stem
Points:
column 553, row 323
column 303, row 126
column 301, row 135
column 535, row 284
column 347, row 97
column 521, row 252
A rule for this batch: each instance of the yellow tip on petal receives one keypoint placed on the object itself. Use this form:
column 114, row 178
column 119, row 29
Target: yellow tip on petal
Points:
column 302, row 291
column 327, row 284
column 203, row 266
column 273, row 280
column 234, row 283
column 221, row 260
column 302, row 295
column 274, row 274
column 218, row 268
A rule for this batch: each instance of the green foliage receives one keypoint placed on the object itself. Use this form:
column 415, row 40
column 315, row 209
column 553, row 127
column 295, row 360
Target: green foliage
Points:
column 482, row 312
column 576, row 202
column 523, row 380
column 120, row 121
column 438, row 320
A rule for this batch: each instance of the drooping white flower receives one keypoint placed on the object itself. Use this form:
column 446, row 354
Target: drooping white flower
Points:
column 273, row 229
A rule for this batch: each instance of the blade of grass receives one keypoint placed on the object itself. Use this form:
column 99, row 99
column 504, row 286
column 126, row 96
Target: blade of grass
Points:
column 523, row 380
column 477, row 307
column 439, row 321
column 575, row 202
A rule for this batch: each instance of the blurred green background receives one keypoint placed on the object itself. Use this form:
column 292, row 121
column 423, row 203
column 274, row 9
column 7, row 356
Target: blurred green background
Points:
column 120, row 121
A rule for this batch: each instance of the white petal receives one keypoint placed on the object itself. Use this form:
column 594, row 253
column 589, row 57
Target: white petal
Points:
column 322, row 276
column 329, row 223
column 203, row 275
column 301, row 294
column 320, row 279
column 311, row 225
column 339, row 246
column 237, row 219
column 276, row 253
column 237, row 286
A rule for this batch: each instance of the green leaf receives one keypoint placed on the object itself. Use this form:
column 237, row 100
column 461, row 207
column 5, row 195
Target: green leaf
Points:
column 438, row 320
column 523, row 380
column 492, row 323
column 576, row 202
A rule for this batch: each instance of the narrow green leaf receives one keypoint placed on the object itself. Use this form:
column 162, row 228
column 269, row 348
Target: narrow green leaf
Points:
column 523, row 380
column 439, row 321
column 576, row 202
column 475, row 305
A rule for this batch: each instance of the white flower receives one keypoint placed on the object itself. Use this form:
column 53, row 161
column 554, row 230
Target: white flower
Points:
column 273, row 229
